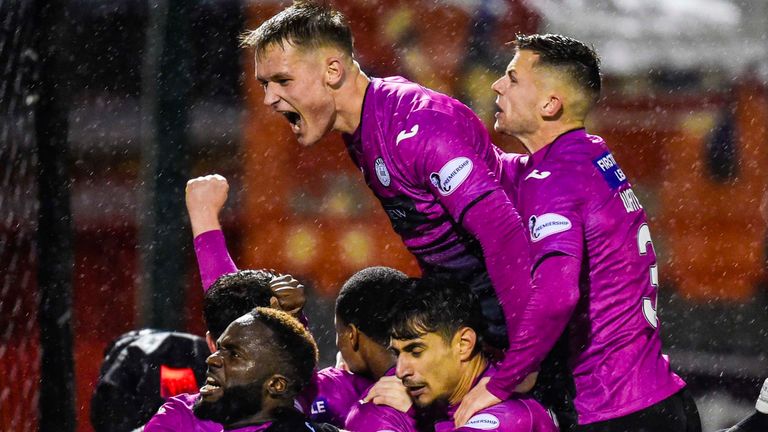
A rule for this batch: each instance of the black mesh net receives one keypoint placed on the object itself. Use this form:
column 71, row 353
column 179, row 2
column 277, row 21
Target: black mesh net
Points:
column 19, row 341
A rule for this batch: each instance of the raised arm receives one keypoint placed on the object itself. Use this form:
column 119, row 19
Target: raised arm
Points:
column 205, row 197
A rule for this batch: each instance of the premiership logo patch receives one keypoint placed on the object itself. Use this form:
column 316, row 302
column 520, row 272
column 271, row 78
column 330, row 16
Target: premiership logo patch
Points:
column 451, row 175
column 546, row 225
column 483, row 422
column 382, row 173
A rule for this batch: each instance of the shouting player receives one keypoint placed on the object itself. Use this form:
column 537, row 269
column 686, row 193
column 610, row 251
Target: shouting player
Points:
column 426, row 157
column 594, row 265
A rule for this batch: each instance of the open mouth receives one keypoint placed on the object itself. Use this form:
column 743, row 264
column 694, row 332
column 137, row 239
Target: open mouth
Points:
column 210, row 388
column 294, row 119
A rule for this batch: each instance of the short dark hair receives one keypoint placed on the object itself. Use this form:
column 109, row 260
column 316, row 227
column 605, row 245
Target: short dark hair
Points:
column 367, row 300
column 234, row 295
column 305, row 24
column 438, row 303
column 294, row 345
column 569, row 55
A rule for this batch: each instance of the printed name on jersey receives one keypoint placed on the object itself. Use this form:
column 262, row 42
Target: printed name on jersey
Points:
column 547, row 224
column 630, row 201
column 407, row 134
column 451, row 175
column 483, row 421
column 382, row 172
column 319, row 406
column 606, row 164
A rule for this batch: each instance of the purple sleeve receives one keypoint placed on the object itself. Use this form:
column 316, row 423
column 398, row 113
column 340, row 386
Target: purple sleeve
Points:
column 554, row 296
column 515, row 415
column 212, row 257
column 465, row 185
column 369, row 417
column 498, row 228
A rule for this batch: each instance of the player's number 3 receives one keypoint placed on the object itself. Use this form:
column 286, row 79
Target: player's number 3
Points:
column 649, row 305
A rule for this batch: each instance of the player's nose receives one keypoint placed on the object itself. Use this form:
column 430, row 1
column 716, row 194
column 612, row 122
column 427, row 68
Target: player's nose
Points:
column 496, row 86
column 270, row 97
column 214, row 360
column 402, row 368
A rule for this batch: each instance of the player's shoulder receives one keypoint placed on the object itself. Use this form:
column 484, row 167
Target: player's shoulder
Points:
column 177, row 414
column 369, row 417
column 514, row 415
column 334, row 377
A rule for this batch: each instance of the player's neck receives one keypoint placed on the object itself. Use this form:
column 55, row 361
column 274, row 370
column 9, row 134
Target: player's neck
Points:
column 349, row 101
column 265, row 415
column 380, row 360
column 471, row 372
column 547, row 134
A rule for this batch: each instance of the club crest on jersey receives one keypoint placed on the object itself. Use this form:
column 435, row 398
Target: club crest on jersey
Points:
column 606, row 164
column 483, row 421
column 547, row 224
column 382, row 172
column 451, row 175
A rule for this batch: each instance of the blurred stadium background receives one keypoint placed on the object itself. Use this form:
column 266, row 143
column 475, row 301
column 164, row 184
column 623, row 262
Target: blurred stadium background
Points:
column 153, row 93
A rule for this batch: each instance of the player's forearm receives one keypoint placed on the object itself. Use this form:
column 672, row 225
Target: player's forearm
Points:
column 204, row 221
column 213, row 258
column 496, row 225
column 554, row 295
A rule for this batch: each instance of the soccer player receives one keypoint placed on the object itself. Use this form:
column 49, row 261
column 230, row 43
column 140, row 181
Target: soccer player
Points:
column 228, row 298
column 435, row 334
column 594, row 265
column 426, row 157
column 363, row 309
column 263, row 360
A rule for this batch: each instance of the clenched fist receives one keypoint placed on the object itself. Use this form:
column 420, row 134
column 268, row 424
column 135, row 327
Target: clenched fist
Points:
column 205, row 198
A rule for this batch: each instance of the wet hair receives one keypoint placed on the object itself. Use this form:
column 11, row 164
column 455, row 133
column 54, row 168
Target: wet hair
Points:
column 305, row 24
column 439, row 304
column 293, row 345
column 577, row 60
column 234, row 295
column 368, row 298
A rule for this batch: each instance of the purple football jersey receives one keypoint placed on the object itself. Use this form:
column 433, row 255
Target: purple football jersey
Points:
column 577, row 201
column 331, row 394
column 518, row 414
column 369, row 417
column 430, row 162
column 176, row 415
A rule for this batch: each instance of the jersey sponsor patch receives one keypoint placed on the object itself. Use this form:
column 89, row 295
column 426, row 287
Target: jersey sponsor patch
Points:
column 382, row 172
column 483, row 421
column 451, row 175
column 606, row 164
column 547, row 224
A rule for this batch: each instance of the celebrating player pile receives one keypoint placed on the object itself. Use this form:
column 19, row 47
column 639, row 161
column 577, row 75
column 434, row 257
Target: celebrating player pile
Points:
column 582, row 265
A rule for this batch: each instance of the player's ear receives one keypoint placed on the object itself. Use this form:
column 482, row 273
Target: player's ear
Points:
column 277, row 385
column 552, row 107
column 465, row 341
column 335, row 72
column 354, row 337
column 209, row 340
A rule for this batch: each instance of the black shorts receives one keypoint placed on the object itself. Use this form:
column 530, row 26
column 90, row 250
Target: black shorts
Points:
column 676, row 413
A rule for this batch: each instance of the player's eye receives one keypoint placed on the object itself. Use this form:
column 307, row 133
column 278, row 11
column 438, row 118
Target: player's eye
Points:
column 283, row 82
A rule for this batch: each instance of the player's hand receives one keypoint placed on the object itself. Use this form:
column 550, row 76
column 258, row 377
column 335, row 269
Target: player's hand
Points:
column 288, row 294
column 205, row 198
column 389, row 390
column 479, row 398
